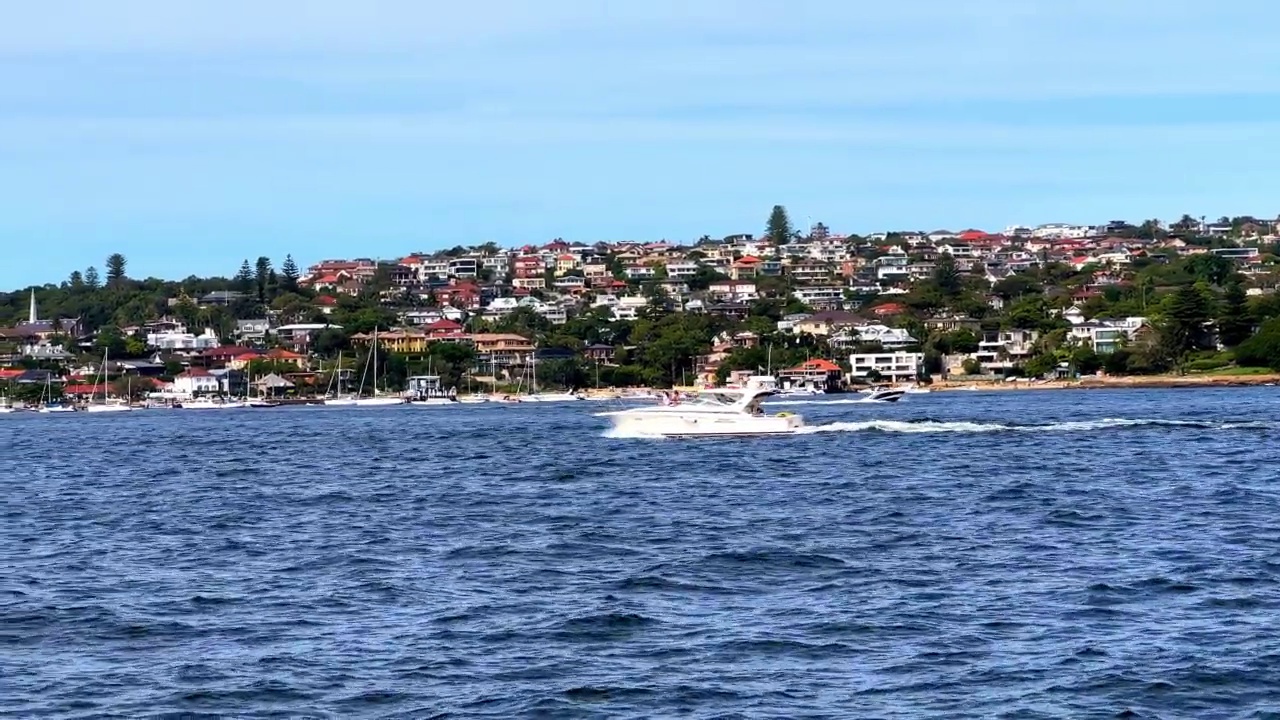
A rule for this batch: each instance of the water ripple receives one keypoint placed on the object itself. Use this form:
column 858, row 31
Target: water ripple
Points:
column 1111, row 553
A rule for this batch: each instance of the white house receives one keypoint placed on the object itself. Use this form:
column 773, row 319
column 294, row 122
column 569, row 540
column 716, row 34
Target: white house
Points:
column 895, row 367
column 629, row 307
column 1107, row 336
column 195, row 381
column 888, row 338
column 183, row 340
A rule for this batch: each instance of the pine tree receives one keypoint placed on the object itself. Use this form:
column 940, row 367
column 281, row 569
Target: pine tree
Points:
column 244, row 278
column 76, row 281
column 779, row 226
column 116, row 265
column 289, row 271
column 91, row 279
column 1183, row 329
column 1235, row 320
column 262, row 269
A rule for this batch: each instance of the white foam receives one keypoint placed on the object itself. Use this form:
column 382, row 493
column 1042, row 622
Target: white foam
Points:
column 934, row 426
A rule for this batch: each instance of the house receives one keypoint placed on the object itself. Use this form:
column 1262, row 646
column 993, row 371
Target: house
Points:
column 402, row 342
column 824, row 297
column 444, row 329
column 732, row 291
column 825, row 322
column 882, row 335
column 817, row 373
column 600, row 353
column 893, row 367
column 282, row 357
column 300, row 335
column 1106, row 336
column 183, row 340
column 221, row 356
column 196, row 381
column 502, row 350
column 252, row 331
column 628, row 308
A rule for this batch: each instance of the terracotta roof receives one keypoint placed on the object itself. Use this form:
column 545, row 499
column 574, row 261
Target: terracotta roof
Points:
column 230, row 351
column 282, row 354
column 817, row 364
column 444, row 324
column 84, row 389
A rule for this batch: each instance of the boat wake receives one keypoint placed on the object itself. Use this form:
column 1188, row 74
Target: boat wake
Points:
column 939, row 426
column 943, row 426
column 844, row 401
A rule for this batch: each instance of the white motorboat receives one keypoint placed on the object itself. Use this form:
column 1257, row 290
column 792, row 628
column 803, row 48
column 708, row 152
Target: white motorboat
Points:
column 550, row 397
column 209, row 403
column 713, row 412
column 473, row 399
column 884, row 394
column 435, row 401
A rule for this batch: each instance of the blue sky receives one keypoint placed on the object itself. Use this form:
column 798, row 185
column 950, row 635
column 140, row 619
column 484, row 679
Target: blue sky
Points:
column 191, row 135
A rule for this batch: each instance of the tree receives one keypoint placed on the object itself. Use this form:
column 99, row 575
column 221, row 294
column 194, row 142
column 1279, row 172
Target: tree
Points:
column 1235, row 320
column 1183, row 329
column 116, row 265
column 91, row 279
column 261, row 277
column 779, row 226
column 244, row 278
column 289, row 271
column 971, row 367
column 947, row 277
column 1263, row 349
column 1016, row 286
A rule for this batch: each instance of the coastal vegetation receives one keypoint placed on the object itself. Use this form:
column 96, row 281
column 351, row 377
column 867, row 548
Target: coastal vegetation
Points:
column 1199, row 315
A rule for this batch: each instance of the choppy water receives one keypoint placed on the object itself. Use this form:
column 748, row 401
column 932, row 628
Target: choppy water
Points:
column 1035, row 554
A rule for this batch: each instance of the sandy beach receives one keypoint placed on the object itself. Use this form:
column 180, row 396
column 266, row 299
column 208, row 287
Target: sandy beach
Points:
column 1134, row 381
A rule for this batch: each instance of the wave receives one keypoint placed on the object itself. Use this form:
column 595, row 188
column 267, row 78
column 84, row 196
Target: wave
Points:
column 845, row 401
column 938, row 426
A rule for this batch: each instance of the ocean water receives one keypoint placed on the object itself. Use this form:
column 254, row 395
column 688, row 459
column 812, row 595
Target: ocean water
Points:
column 969, row 554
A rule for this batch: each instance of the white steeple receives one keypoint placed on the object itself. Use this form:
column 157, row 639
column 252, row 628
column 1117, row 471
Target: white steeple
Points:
column 34, row 317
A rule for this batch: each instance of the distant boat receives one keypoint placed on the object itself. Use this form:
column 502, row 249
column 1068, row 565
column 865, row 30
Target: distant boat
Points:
column 108, row 404
column 379, row 398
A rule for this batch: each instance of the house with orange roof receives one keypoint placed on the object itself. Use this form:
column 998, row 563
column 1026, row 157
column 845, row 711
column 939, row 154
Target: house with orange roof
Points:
column 817, row 373
column 282, row 356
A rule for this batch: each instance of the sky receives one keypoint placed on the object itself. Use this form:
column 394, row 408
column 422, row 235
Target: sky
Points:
column 192, row 135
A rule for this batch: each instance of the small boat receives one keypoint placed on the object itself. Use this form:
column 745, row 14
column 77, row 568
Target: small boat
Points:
column 715, row 412
column 473, row 399
column 550, row 397
column 261, row 403
column 108, row 407
column 434, row 401
column 341, row 400
column 108, row 403
column 884, row 394
column 378, row 401
column 49, row 408
column 209, row 403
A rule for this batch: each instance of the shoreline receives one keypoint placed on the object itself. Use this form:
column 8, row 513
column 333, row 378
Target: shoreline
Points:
column 1103, row 383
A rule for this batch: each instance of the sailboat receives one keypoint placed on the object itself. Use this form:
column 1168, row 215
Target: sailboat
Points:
column 378, row 399
column 332, row 396
column 49, row 406
column 534, row 395
column 108, row 404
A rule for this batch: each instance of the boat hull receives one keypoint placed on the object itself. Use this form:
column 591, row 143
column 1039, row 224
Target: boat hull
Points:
column 703, row 424
column 379, row 401
column 107, row 408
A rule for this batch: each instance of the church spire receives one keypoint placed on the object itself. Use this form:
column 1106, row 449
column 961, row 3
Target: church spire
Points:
column 34, row 317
